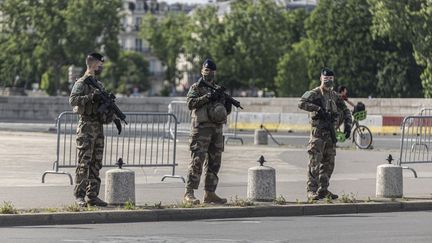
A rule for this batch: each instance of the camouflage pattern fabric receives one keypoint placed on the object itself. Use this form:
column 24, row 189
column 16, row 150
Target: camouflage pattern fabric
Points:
column 90, row 139
column 321, row 149
column 206, row 140
column 90, row 145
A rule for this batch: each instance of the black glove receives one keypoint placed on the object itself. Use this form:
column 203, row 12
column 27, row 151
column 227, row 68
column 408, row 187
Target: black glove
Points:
column 213, row 96
column 118, row 124
column 347, row 131
column 228, row 106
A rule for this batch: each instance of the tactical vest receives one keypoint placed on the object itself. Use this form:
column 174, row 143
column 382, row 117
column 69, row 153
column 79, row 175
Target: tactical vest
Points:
column 328, row 100
column 211, row 112
column 90, row 108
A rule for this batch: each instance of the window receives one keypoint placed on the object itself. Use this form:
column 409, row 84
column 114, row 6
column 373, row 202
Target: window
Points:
column 138, row 44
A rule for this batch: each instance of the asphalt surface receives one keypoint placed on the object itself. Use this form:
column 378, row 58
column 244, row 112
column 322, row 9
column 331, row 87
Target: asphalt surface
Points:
column 26, row 155
column 379, row 227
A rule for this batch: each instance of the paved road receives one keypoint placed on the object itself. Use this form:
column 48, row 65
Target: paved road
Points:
column 382, row 227
column 25, row 156
column 290, row 139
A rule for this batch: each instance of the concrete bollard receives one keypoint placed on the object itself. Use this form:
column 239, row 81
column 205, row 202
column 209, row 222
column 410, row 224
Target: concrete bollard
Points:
column 261, row 137
column 261, row 183
column 120, row 186
column 389, row 181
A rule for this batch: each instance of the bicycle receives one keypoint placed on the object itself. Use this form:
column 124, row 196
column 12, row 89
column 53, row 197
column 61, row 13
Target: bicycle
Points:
column 361, row 135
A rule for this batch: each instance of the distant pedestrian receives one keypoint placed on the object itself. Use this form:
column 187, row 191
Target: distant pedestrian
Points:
column 343, row 93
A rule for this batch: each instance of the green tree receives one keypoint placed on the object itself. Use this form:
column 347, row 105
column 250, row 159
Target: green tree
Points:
column 50, row 34
column 341, row 39
column 246, row 44
column 407, row 21
column 128, row 72
column 292, row 78
column 166, row 39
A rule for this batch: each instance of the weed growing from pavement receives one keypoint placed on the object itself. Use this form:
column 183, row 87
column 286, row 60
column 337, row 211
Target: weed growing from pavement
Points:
column 238, row 202
column 311, row 201
column 158, row 205
column 51, row 210
column 347, row 198
column 74, row 207
column 129, row 205
column 280, row 200
column 328, row 200
column 8, row 208
column 393, row 199
column 33, row 210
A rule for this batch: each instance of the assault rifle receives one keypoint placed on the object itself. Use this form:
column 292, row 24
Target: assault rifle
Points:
column 108, row 103
column 220, row 90
column 328, row 122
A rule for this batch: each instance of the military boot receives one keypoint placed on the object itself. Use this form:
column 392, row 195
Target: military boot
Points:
column 80, row 201
column 189, row 197
column 211, row 197
column 312, row 195
column 327, row 194
column 95, row 201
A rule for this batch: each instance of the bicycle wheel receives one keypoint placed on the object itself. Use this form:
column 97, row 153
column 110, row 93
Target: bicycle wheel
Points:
column 362, row 137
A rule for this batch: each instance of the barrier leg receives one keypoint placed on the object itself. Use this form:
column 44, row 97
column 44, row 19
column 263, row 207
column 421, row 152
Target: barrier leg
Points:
column 174, row 175
column 233, row 138
column 58, row 173
column 411, row 169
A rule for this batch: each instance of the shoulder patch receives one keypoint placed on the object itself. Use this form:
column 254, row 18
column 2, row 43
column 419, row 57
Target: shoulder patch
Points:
column 78, row 87
column 308, row 94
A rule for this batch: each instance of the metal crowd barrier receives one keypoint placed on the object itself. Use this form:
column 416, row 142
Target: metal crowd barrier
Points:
column 416, row 141
column 144, row 142
column 426, row 112
column 181, row 111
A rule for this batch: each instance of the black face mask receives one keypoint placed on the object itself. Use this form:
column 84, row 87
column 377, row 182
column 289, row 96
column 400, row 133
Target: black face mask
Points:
column 209, row 77
column 98, row 71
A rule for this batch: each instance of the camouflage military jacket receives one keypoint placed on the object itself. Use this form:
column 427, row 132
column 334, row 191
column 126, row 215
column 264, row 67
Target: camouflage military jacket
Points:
column 199, row 104
column 330, row 101
column 81, row 98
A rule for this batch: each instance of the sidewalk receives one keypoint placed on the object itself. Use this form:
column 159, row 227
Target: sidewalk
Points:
column 26, row 155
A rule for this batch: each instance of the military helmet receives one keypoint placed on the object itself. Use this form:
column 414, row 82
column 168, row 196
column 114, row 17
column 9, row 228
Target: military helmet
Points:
column 208, row 63
column 217, row 113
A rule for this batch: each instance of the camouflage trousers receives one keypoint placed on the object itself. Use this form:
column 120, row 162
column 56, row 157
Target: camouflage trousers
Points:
column 322, row 152
column 206, row 145
column 90, row 145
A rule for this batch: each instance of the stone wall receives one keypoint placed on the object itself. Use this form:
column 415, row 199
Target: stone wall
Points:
column 43, row 109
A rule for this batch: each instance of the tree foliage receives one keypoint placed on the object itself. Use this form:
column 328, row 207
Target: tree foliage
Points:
column 43, row 36
column 128, row 72
column 166, row 38
column 407, row 21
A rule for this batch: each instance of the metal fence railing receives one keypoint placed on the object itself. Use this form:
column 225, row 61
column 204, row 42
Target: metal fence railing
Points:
column 426, row 112
column 144, row 142
column 183, row 114
column 416, row 140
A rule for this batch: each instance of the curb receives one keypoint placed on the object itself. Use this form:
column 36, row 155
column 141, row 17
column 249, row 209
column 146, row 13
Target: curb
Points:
column 183, row 214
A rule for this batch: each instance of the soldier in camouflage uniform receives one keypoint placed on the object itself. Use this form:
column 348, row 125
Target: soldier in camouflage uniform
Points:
column 85, row 100
column 323, row 102
column 209, row 111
